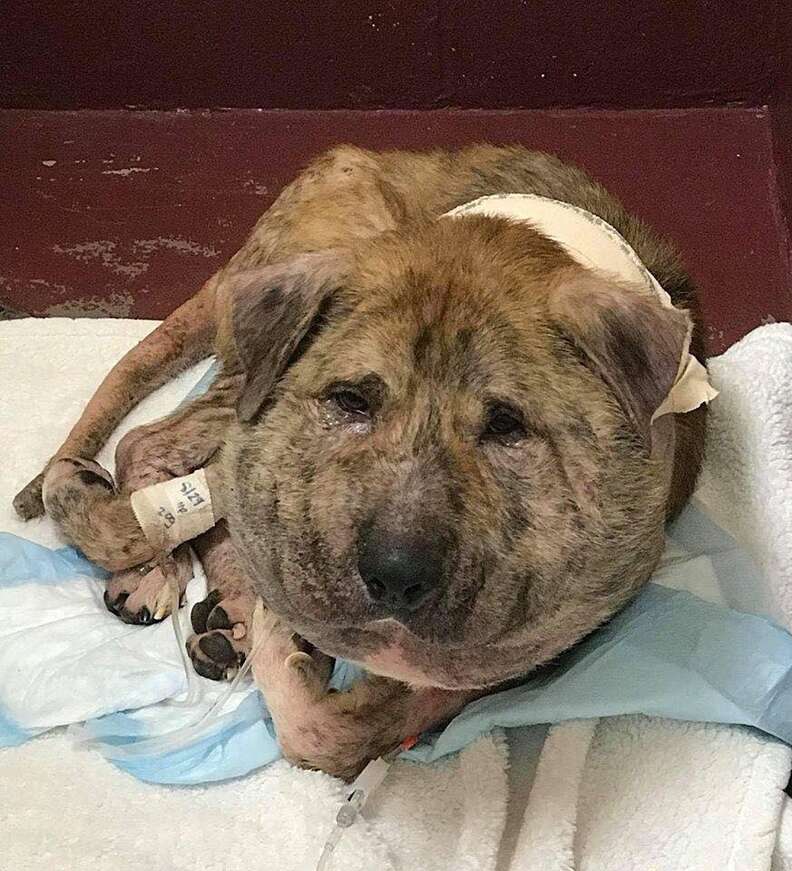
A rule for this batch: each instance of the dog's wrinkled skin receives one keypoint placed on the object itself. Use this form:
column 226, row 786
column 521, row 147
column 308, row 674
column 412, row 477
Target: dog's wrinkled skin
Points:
column 456, row 394
column 545, row 530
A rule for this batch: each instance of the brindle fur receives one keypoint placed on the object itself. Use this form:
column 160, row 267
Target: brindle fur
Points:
column 350, row 277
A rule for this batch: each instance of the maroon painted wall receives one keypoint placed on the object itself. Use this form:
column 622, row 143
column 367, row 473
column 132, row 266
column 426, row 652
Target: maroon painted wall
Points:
column 127, row 213
column 781, row 108
column 315, row 54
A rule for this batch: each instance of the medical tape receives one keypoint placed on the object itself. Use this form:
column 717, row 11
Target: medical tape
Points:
column 595, row 244
column 174, row 511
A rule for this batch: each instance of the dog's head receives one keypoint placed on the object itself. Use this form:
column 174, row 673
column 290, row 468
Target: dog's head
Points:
column 444, row 462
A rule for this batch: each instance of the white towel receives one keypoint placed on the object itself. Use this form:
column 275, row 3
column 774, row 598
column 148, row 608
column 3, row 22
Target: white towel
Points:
column 547, row 838
column 68, row 810
column 747, row 482
column 643, row 793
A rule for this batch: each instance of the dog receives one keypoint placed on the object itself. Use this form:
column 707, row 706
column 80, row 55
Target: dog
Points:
column 436, row 438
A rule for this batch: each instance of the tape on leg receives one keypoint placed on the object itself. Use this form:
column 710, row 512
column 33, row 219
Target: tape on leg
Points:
column 174, row 511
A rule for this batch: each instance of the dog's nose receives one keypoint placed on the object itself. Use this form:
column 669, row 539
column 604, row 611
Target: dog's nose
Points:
column 400, row 573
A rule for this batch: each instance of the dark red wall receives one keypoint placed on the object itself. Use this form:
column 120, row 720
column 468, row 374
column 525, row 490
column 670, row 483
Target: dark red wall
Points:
column 400, row 54
column 781, row 108
column 127, row 213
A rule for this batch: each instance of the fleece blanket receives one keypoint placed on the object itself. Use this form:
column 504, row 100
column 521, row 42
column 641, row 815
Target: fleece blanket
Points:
column 111, row 339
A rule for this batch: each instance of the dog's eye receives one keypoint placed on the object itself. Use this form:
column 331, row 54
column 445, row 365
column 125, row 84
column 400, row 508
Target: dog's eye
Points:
column 351, row 402
column 504, row 424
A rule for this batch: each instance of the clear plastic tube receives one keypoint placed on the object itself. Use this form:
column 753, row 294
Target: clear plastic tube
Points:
column 359, row 793
column 193, row 690
column 191, row 732
column 186, row 734
column 327, row 853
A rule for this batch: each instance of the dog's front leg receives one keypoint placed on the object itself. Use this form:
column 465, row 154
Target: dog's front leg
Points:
column 95, row 513
column 338, row 732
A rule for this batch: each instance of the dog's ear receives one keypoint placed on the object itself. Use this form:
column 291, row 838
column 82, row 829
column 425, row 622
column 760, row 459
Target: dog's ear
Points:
column 274, row 312
column 628, row 337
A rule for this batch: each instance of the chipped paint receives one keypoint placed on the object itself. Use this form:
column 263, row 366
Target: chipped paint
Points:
column 50, row 285
column 183, row 246
column 716, row 336
column 131, row 260
column 9, row 314
column 116, row 305
column 128, row 170
column 48, row 162
column 11, row 286
column 106, row 252
column 259, row 189
column 8, row 284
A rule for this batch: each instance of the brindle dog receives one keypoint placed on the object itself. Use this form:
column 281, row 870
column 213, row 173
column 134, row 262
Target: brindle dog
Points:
column 435, row 436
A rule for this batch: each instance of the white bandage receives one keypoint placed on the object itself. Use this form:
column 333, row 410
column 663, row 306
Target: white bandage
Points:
column 594, row 243
column 174, row 511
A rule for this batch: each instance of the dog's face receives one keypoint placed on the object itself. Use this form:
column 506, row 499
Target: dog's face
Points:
column 453, row 478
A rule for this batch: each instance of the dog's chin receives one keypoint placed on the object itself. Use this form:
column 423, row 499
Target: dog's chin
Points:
column 433, row 624
column 397, row 626
column 432, row 627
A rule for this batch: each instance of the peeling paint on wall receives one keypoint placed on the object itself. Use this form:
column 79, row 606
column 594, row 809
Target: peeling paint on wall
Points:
column 258, row 189
column 105, row 251
column 183, row 246
column 10, row 286
column 9, row 314
column 128, row 170
column 135, row 262
column 116, row 305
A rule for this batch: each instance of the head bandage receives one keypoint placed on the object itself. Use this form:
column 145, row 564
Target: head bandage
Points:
column 595, row 244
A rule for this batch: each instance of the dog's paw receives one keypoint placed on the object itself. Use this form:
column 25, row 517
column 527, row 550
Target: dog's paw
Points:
column 144, row 595
column 221, row 642
column 70, row 481
column 285, row 664
column 28, row 503
column 81, row 497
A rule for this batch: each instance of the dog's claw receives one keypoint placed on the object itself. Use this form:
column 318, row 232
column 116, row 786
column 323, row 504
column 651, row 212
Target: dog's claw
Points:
column 144, row 599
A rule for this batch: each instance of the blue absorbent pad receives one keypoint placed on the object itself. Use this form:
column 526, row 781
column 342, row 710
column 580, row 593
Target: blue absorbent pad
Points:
column 64, row 659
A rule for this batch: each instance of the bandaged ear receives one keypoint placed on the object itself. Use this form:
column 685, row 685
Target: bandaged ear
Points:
column 275, row 312
column 637, row 345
